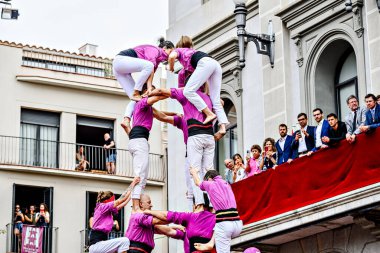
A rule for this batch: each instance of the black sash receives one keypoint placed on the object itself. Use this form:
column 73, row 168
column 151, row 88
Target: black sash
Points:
column 128, row 52
column 195, row 127
column 139, row 247
column 227, row 215
column 97, row 236
column 197, row 239
column 196, row 57
column 139, row 132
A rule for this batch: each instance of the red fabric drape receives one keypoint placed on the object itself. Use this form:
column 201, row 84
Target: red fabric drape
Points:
column 307, row 180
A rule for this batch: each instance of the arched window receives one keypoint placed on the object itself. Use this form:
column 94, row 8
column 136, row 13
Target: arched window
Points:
column 346, row 82
column 228, row 145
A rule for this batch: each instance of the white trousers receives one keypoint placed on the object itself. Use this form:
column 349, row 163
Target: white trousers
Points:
column 118, row 245
column 224, row 232
column 209, row 70
column 200, row 155
column 139, row 149
column 189, row 185
column 123, row 66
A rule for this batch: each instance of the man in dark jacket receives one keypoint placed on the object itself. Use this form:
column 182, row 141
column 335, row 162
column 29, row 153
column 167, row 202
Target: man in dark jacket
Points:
column 337, row 130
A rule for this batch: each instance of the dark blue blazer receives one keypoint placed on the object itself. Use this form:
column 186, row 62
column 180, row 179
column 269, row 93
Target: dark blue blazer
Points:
column 310, row 141
column 324, row 132
column 288, row 152
column 369, row 121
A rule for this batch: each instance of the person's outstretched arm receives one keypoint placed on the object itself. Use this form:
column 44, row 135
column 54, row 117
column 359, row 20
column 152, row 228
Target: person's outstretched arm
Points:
column 194, row 174
column 126, row 196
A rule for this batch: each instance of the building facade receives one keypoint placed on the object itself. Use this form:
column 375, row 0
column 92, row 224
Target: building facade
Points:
column 325, row 50
column 52, row 104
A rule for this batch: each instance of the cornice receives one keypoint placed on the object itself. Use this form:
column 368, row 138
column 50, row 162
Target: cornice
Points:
column 220, row 27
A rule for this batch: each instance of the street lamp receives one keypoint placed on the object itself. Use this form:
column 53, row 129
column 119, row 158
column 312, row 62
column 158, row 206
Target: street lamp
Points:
column 264, row 42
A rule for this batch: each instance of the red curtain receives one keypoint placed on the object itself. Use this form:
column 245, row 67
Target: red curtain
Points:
column 307, row 180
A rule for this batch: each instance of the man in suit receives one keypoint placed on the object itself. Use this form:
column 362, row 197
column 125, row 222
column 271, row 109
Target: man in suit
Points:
column 303, row 138
column 322, row 129
column 284, row 146
column 373, row 114
column 354, row 119
column 337, row 131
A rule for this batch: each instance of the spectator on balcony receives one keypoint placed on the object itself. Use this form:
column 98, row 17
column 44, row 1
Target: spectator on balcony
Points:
column 337, row 130
column 372, row 116
column 82, row 163
column 43, row 216
column 115, row 228
column 285, row 152
column 321, row 129
column 110, row 148
column 269, row 156
column 303, row 138
column 253, row 161
column 354, row 119
column 18, row 222
column 229, row 173
column 30, row 218
column 239, row 169
column 378, row 99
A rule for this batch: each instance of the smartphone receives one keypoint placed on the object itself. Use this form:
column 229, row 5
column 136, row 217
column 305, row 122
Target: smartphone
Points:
column 266, row 149
column 248, row 154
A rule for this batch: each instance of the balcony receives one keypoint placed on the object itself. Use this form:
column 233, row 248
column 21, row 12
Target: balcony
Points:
column 49, row 239
column 334, row 187
column 46, row 156
column 85, row 238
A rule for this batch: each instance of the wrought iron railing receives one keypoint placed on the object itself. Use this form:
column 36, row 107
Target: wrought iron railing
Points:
column 85, row 236
column 63, row 156
column 49, row 239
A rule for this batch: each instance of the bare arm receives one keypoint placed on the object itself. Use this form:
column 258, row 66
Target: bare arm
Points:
column 171, row 60
column 155, row 99
column 126, row 196
column 194, row 173
column 162, row 215
column 169, row 231
column 161, row 92
column 150, row 80
column 163, row 117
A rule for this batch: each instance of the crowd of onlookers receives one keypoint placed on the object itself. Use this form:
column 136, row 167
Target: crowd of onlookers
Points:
column 306, row 139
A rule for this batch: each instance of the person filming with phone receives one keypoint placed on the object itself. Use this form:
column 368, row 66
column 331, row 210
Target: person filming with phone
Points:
column 269, row 156
column 43, row 216
column 303, row 137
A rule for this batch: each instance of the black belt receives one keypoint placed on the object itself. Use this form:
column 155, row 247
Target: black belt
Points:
column 195, row 127
column 139, row 132
column 97, row 236
column 231, row 214
column 197, row 239
column 303, row 152
column 139, row 247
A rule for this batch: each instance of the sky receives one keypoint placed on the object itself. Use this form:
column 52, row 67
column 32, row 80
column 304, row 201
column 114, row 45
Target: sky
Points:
column 113, row 25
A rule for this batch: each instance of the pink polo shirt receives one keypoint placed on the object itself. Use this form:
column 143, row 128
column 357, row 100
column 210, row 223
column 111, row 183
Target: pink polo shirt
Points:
column 184, row 57
column 141, row 229
column 180, row 123
column 143, row 114
column 220, row 192
column 189, row 110
column 103, row 219
column 154, row 54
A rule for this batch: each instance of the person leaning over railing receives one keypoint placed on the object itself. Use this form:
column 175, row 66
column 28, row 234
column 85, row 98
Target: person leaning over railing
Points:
column 355, row 118
column 373, row 114
column 336, row 132
column 239, row 168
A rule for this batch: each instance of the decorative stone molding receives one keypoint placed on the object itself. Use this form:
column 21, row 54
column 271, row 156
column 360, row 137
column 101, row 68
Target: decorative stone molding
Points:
column 358, row 22
column 298, row 43
column 370, row 220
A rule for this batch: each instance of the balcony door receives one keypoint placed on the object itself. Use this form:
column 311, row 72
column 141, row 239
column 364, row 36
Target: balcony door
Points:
column 39, row 138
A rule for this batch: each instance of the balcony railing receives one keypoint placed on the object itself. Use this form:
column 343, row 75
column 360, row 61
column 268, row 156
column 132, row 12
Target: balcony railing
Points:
column 85, row 238
column 49, row 240
column 66, row 62
column 62, row 156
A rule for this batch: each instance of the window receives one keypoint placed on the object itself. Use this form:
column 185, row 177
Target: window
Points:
column 227, row 146
column 39, row 138
column 346, row 82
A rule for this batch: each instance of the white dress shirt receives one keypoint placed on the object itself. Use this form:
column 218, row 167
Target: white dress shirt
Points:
column 281, row 142
column 318, row 140
column 302, row 143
